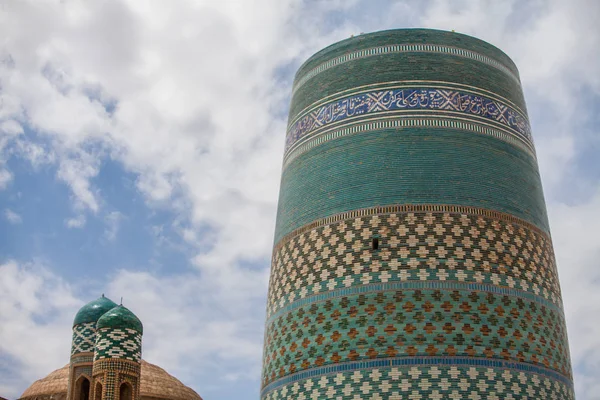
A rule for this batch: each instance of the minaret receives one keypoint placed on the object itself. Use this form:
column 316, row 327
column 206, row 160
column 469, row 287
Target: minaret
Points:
column 82, row 347
column 117, row 356
column 412, row 256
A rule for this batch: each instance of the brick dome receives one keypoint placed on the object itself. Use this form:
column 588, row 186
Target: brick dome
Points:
column 156, row 384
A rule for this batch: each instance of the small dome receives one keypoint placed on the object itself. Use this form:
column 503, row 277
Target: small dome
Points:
column 120, row 317
column 93, row 310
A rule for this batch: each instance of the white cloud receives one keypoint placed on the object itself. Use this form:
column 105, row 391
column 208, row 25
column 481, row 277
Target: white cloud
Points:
column 5, row 178
column 36, row 312
column 113, row 221
column 10, row 127
column 76, row 222
column 213, row 332
column 12, row 217
column 574, row 230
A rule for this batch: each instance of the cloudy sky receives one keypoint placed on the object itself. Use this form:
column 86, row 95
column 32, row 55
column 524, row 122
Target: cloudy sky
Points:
column 140, row 155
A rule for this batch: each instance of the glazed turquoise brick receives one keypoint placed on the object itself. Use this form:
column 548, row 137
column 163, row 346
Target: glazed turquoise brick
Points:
column 414, row 167
column 405, row 36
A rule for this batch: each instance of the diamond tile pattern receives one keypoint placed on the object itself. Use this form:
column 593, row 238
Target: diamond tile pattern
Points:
column 84, row 336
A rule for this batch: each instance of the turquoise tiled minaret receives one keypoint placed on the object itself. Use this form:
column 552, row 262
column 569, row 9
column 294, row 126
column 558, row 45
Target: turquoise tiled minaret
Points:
column 117, row 356
column 412, row 256
column 82, row 346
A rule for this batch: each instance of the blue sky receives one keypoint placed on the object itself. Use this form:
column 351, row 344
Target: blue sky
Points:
column 140, row 156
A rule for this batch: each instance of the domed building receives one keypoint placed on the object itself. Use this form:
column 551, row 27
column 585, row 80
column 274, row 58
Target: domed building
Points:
column 106, row 362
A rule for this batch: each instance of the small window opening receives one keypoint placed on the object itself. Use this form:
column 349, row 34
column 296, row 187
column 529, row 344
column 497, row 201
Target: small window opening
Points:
column 375, row 244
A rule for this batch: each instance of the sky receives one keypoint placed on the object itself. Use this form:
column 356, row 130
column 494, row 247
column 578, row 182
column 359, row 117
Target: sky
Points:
column 141, row 145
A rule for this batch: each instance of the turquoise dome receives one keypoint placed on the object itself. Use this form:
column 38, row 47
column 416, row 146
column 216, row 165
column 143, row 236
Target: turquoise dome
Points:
column 120, row 317
column 93, row 310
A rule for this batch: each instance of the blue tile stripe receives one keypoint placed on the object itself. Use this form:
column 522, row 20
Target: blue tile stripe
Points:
column 415, row 285
column 404, row 99
column 416, row 361
column 405, row 48
column 322, row 287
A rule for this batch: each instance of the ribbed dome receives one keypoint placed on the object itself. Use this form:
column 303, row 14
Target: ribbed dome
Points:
column 155, row 383
column 93, row 310
column 120, row 317
column 54, row 385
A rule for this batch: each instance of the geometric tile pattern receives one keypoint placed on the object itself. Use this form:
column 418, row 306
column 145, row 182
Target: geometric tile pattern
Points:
column 406, row 99
column 84, row 336
column 425, row 383
column 414, row 323
column 123, row 367
column 439, row 286
column 118, row 343
column 422, row 246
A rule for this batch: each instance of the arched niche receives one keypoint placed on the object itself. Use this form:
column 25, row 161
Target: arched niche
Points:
column 98, row 391
column 125, row 391
column 82, row 388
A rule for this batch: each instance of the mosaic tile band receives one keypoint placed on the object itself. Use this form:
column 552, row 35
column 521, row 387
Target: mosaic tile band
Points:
column 481, row 248
column 405, row 48
column 408, row 324
column 409, row 99
column 82, row 358
column 449, row 209
column 120, row 366
column 419, row 284
column 438, row 382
